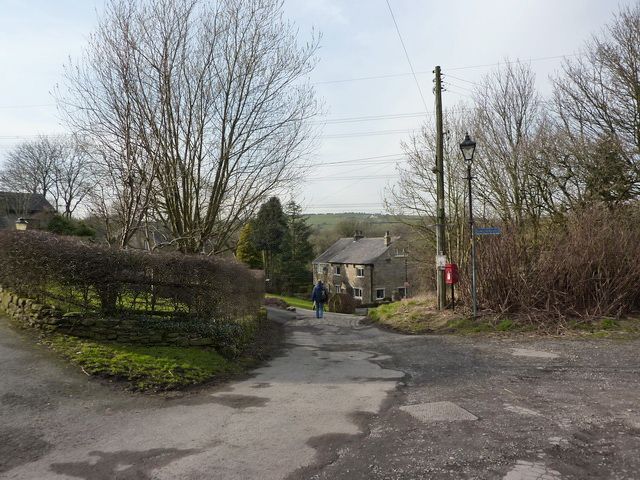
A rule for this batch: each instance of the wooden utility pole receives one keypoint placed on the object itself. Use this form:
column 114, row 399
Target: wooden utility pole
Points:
column 439, row 170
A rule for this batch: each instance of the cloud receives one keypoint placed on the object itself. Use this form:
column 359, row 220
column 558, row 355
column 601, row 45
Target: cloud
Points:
column 328, row 9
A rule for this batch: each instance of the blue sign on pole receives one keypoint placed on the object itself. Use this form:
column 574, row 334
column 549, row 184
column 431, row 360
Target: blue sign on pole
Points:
column 487, row 230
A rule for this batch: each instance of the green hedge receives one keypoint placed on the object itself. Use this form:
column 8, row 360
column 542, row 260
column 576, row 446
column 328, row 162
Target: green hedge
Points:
column 86, row 276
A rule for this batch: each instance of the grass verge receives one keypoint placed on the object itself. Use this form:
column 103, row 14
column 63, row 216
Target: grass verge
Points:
column 144, row 367
column 413, row 316
column 159, row 368
column 419, row 315
column 293, row 301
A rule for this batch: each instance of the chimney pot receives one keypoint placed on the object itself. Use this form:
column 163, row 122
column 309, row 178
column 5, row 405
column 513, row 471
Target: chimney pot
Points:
column 387, row 239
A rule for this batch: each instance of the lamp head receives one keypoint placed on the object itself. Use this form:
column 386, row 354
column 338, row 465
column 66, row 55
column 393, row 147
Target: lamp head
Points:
column 468, row 148
column 21, row 224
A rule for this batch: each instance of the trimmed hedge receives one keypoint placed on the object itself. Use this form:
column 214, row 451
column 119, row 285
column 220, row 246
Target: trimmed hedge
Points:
column 83, row 275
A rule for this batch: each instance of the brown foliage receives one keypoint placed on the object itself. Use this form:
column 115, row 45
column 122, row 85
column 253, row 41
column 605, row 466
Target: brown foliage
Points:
column 589, row 266
column 45, row 266
column 342, row 303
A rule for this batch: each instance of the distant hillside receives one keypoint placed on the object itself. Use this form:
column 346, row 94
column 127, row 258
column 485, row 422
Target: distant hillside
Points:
column 330, row 220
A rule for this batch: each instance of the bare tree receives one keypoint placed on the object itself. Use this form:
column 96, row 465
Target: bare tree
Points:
column 597, row 99
column 31, row 167
column 55, row 167
column 74, row 178
column 199, row 112
column 508, row 120
column 415, row 193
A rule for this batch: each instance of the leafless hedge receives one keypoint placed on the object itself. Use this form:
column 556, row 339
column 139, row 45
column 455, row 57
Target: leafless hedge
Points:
column 52, row 268
column 589, row 266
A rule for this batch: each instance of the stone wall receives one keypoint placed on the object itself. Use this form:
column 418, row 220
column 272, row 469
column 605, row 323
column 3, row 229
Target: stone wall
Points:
column 389, row 274
column 145, row 332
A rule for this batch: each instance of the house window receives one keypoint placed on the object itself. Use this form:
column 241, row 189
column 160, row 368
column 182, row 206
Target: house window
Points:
column 360, row 272
column 357, row 293
column 402, row 291
column 379, row 293
column 337, row 287
column 320, row 269
column 337, row 270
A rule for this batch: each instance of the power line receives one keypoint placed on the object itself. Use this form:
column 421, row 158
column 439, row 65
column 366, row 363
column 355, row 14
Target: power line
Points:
column 372, row 77
column 369, row 133
column 348, row 185
column 415, row 78
column 445, row 75
column 355, row 177
column 378, row 158
column 466, row 89
column 382, row 76
column 415, row 73
column 366, row 118
column 458, row 93
column 511, row 62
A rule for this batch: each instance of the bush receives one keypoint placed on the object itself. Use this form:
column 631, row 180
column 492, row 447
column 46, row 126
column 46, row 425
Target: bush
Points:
column 586, row 267
column 48, row 268
column 68, row 226
column 342, row 303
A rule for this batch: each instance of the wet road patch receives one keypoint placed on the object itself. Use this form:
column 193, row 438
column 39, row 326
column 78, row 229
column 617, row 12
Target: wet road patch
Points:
column 438, row 412
column 525, row 352
column 19, row 446
column 239, row 401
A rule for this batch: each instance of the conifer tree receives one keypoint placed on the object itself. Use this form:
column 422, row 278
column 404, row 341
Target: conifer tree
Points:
column 269, row 229
column 246, row 251
column 297, row 251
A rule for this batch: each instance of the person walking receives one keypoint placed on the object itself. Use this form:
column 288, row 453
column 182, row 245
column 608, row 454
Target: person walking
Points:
column 319, row 297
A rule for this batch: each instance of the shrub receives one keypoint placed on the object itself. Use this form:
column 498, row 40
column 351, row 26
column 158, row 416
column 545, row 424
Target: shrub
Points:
column 342, row 303
column 589, row 266
column 95, row 277
column 68, row 226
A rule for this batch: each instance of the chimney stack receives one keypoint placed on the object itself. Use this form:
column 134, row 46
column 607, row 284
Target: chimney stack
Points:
column 358, row 235
column 387, row 239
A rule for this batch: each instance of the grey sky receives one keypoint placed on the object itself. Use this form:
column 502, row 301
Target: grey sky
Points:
column 359, row 40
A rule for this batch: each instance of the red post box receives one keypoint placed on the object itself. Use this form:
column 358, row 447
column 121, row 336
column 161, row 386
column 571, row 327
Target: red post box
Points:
column 451, row 273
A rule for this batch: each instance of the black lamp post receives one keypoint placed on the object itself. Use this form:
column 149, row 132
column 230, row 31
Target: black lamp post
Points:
column 468, row 148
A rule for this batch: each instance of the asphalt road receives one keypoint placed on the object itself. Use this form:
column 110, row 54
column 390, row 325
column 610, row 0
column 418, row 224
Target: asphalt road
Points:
column 343, row 401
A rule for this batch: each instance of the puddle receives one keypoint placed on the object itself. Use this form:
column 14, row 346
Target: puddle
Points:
column 521, row 410
column 438, row 412
column 523, row 352
column 531, row 471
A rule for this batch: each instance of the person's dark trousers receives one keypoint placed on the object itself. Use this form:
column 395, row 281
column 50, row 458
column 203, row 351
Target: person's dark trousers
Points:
column 319, row 309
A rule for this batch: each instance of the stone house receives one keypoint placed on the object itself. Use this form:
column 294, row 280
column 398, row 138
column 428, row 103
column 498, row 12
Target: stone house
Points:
column 370, row 269
column 33, row 207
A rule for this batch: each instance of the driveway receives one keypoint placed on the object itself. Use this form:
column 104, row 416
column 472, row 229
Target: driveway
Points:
column 343, row 401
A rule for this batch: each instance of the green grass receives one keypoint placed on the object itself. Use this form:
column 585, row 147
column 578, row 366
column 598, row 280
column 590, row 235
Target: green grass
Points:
column 412, row 316
column 419, row 316
column 294, row 301
column 68, row 299
column 145, row 368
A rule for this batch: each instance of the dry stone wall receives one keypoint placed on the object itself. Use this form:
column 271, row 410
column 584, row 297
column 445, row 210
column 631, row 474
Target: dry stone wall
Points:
column 134, row 331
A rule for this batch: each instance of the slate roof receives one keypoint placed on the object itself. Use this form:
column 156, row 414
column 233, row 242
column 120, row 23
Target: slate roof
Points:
column 364, row 251
column 15, row 202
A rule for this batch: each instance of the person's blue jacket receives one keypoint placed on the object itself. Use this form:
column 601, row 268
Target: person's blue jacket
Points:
column 317, row 294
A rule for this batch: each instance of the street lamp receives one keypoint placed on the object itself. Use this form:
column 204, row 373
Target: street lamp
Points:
column 21, row 224
column 468, row 148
